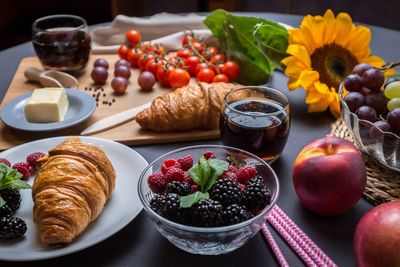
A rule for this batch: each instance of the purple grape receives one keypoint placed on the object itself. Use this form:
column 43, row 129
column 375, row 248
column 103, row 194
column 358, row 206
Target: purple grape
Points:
column 146, row 80
column 366, row 113
column 393, row 118
column 354, row 100
column 119, row 84
column 359, row 69
column 373, row 79
column 365, row 91
column 122, row 71
column 353, row 83
column 122, row 62
column 377, row 101
column 99, row 75
column 101, row 62
column 383, row 126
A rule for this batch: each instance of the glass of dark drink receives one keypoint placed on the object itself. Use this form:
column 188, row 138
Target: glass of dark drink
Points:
column 256, row 119
column 62, row 42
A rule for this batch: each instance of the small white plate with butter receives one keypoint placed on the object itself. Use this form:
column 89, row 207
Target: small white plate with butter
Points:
column 80, row 107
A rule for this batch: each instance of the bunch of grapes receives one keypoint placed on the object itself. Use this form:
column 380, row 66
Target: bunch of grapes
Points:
column 174, row 70
column 368, row 99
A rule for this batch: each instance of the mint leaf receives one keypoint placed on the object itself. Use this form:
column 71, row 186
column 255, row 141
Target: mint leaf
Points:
column 194, row 174
column 218, row 166
column 189, row 200
column 2, row 202
column 10, row 178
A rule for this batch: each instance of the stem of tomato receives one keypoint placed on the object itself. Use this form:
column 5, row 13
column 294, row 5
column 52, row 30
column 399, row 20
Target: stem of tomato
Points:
column 197, row 53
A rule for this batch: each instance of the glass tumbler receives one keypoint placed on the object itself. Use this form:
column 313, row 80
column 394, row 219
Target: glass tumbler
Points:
column 62, row 42
column 256, row 119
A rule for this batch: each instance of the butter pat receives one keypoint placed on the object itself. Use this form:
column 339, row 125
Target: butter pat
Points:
column 46, row 105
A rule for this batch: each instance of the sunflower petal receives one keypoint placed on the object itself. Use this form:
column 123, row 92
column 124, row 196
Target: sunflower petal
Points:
column 334, row 106
column 313, row 28
column 359, row 45
column 344, row 27
column 300, row 52
column 329, row 27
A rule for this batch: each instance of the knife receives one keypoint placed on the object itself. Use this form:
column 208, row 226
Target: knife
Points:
column 114, row 120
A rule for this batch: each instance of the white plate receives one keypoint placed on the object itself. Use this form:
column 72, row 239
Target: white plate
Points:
column 123, row 206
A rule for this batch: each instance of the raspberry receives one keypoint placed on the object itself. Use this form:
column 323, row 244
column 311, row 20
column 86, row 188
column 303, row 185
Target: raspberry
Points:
column 186, row 162
column 194, row 188
column 187, row 178
column 22, row 168
column 233, row 168
column 157, row 182
column 168, row 164
column 32, row 158
column 5, row 161
column 228, row 175
column 174, row 174
column 209, row 155
column 246, row 173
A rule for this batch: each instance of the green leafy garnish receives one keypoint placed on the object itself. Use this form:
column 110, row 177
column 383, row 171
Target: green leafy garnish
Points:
column 257, row 44
column 189, row 200
column 10, row 178
column 205, row 174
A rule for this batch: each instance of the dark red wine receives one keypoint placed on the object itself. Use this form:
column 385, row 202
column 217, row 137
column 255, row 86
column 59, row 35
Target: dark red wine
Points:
column 254, row 128
column 63, row 49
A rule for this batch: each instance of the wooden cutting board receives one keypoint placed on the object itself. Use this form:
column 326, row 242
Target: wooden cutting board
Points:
column 128, row 133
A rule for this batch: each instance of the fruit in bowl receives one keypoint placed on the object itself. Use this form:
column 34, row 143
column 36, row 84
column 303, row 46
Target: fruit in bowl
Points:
column 208, row 199
column 370, row 107
column 329, row 176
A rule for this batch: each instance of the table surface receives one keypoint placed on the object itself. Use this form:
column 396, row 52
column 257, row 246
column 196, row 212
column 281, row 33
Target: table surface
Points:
column 139, row 243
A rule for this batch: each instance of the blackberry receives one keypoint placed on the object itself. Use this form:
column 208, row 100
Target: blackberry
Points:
column 179, row 188
column 256, row 194
column 12, row 197
column 205, row 213
column 11, row 228
column 167, row 206
column 235, row 214
column 5, row 211
column 226, row 191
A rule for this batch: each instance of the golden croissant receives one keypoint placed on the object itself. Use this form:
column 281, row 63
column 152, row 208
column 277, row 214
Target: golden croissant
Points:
column 196, row 106
column 70, row 190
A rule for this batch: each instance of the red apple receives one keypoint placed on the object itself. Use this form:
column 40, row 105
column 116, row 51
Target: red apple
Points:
column 329, row 176
column 377, row 237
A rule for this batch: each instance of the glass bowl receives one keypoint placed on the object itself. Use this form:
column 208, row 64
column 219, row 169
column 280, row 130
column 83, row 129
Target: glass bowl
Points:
column 209, row 240
column 382, row 146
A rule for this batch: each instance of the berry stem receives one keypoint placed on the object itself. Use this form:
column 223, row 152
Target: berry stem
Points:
column 389, row 65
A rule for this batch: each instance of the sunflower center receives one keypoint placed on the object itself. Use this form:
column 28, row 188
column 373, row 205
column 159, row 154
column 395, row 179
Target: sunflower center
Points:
column 333, row 63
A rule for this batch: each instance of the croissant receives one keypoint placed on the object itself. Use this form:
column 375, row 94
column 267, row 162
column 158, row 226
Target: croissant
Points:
column 196, row 106
column 71, row 187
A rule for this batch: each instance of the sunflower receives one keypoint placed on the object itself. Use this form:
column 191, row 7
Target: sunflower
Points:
column 322, row 52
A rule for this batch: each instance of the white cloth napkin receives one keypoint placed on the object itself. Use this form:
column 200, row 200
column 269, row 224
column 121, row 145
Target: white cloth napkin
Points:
column 155, row 28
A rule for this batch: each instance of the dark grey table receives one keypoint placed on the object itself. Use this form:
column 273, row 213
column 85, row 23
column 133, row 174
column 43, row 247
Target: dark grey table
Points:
column 139, row 243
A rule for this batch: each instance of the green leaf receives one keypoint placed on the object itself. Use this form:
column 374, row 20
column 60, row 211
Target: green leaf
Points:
column 189, row 200
column 218, row 166
column 194, row 174
column 10, row 178
column 2, row 202
column 257, row 53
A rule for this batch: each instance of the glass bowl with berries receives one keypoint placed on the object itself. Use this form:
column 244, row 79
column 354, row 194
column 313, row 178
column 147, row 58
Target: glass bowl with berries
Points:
column 370, row 107
column 208, row 199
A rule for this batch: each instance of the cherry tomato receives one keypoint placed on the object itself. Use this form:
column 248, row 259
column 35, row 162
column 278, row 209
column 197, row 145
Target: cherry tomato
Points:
column 209, row 52
column 231, row 69
column 152, row 66
column 191, row 63
column 218, row 59
column 184, row 53
column 200, row 67
column 179, row 78
column 123, row 51
column 163, row 74
column 148, row 47
column 133, row 37
column 187, row 37
column 159, row 50
column 198, row 46
column 220, row 66
column 133, row 56
column 143, row 60
column 206, row 75
column 221, row 78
